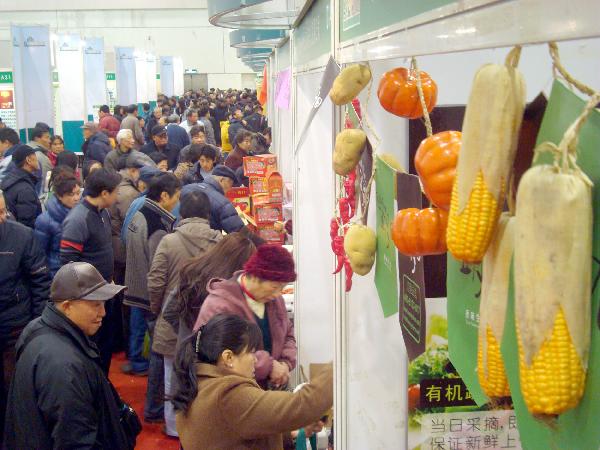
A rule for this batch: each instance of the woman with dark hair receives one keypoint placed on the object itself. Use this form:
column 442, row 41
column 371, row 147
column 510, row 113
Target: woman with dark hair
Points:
column 224, row 259
column 242, row 147
column 255, row 294
column 119, row 112
column 48, row 226
column 219, row 403
column 57, row 146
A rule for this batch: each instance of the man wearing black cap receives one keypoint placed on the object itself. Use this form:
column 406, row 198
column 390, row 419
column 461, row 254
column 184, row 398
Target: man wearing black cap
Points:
column 223, row 215
column 19, row 186
column 160, row 143
column 60, row 397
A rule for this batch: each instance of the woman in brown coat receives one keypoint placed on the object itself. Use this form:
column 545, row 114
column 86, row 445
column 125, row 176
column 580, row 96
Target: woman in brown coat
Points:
column 220, row 406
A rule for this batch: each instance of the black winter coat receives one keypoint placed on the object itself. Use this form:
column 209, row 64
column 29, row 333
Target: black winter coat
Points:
column 24, row 277
column 235, row 125
column 60, row 397
column 21, row 195
column 98, row 146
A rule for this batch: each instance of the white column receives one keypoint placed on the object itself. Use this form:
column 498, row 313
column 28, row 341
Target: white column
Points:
column 177, row 76
column 151, row 77
column 141, row 76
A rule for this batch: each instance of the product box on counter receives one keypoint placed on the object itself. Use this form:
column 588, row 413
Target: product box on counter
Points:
column 240, row 197
column 267, row 213
column 271, row 184
column 269, row 233
column 260, row 165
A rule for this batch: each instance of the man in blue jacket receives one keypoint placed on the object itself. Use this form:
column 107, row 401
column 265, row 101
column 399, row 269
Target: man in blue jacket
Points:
column 96, row 145
column 223, row 215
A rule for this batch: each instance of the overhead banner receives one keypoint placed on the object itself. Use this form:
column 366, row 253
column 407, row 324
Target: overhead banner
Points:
column 151, row 77
column 141, row 76
column 177, row 76
column 69, row 59
column 125, row 75
column 166, row 76
column 32, row 76
column 95, row 79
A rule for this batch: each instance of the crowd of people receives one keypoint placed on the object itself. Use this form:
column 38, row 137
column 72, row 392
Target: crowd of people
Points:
column 136, row 242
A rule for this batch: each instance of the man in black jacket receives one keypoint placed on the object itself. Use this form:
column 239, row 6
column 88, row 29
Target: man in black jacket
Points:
column 60, row 397
column 19, row 188
column 160, row 143
column 87, row 236
column 24, row 287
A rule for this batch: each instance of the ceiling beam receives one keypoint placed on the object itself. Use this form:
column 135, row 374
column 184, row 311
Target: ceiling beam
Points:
column 7, row 6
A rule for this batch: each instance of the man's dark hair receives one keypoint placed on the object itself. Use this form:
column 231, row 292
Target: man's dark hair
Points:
column 105, row 109
column 43, row 125
column 193, row 154
column 38, row 132
column 131, row 109
column 190, row 112
column 241, row 135
column 68, row 159
column 208, row 151
column 166, row 182
column 196, row 130
column 146, row 107
column 203, row 111
column 9, row 135
column 166, row 110
column 195, row 204
column 101, row 180
column 158, row 157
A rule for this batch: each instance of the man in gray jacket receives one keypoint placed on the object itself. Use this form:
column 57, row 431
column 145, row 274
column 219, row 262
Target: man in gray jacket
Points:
column 131, row 122
column 192, row 237
column 147, row 227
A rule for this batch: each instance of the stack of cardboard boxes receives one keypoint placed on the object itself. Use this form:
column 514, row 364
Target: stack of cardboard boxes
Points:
column 262, row 201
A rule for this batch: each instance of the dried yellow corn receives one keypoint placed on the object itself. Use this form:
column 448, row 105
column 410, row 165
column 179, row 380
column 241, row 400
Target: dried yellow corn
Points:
column 553, row 242
column 470, row 232
column 492, row 309
column 489, row 142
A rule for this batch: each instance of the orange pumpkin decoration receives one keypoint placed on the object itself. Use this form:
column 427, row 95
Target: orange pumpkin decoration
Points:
column 419, row 232
column 435, row 161
column 398, row 93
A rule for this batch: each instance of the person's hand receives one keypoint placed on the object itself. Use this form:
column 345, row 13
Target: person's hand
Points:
column 244, row 122
column 313, row 428
column 280, row 374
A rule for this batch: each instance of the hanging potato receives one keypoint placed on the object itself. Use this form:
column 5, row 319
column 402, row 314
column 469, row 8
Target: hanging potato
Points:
column 398, row 93
column 349, row 83
column 349, row 145
column 435, row 161
column 419, row 232
column 360, row 245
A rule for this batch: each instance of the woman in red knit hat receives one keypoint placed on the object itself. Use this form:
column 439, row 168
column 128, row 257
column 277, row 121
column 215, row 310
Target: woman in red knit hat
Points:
column 255, row 294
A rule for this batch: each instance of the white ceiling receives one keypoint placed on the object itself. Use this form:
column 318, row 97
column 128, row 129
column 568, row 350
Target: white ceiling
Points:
column 79, row 5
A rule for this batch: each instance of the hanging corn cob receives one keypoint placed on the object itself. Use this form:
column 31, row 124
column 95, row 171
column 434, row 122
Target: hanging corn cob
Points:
column 489, row 141
column 553, row 257
column 492, row 309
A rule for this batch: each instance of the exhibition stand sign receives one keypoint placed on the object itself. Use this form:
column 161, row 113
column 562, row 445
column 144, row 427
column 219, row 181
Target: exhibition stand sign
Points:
column 167, row 76
column 69, row 56
column 31, row 67
column 8, row 112
column 95, row 79
column 125, row 75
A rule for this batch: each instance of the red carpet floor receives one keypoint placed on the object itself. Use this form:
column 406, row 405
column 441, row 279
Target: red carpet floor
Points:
column 133, row 391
